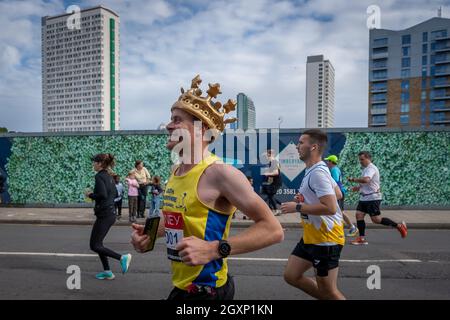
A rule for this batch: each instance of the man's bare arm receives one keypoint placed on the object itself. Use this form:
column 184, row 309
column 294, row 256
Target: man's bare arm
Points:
column 360, row 180
column 327, row 206
column 266, row 230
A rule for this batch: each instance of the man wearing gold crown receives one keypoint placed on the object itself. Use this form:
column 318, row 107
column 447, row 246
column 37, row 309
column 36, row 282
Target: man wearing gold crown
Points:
column 200, row 199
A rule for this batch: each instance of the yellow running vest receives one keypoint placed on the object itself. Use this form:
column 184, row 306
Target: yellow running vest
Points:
column 185, row 215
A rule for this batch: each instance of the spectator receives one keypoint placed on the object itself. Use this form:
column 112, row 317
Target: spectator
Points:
column 133, row 192
column 156, row 191
column 118, row 200
column 272, row 182
column 2, row 184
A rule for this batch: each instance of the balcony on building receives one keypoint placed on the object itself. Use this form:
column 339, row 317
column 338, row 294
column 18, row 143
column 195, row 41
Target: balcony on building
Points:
column 378, row 109
column 380, row 43
column 378, row 75
column 378, row 101
column 378, row 120
column 440, row 82
column 441, row 70
column 375, row 124
column 378, row 98
column 379, row 64
column 439, row 105
column 442, row 58
column 378, row 87
column 442, row 46
column 380, row 52
column 441, row 37
column 380, row 55
column 440, row 94
column 440, row 118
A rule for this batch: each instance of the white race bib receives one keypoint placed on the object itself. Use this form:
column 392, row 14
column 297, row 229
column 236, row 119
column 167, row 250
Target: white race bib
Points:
column 174, row 233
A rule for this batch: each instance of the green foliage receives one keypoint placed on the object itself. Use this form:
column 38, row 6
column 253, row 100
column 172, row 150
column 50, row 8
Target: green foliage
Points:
column 59, row 169
column 414, row 166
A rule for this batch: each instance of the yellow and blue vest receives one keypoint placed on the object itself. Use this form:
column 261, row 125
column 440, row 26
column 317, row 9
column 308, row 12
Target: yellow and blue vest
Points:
column 185, row 215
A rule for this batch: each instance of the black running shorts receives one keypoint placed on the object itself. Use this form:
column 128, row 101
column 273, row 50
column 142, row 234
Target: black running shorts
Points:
column 372, row 208
column 323, row 258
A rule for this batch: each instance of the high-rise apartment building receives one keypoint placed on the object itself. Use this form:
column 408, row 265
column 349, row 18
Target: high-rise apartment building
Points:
column 246, row 113
column 319, row 93
column 80, row 71
column 409, row 75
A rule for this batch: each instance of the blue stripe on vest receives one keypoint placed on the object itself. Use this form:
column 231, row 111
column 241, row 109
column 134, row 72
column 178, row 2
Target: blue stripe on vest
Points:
column 215, row 228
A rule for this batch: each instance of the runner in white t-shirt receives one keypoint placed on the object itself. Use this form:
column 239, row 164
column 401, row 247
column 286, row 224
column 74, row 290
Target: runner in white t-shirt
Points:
column 370, row 199
column 323, row 228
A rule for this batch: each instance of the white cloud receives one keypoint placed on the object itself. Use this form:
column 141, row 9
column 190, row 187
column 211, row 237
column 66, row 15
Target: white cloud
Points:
column 9, row 57
column 20, row 63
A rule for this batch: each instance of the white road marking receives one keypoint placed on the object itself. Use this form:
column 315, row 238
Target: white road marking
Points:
column 84, row 255
column 341, row 260
column 382, row 260
column 258, row 259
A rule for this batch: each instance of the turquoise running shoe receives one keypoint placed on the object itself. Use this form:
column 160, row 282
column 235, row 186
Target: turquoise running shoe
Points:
column 125, row 262
column 105, row 275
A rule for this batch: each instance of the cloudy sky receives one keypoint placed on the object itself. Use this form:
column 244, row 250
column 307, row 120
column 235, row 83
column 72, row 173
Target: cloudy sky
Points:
column 258, row 47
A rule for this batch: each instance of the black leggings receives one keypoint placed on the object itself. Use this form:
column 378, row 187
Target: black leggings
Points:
column 99, row 231
column 142, row 200
column 118, row 207
column 270, row 191
column 273, row 201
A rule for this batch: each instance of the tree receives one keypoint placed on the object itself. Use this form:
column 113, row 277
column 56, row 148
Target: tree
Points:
column 3, row 130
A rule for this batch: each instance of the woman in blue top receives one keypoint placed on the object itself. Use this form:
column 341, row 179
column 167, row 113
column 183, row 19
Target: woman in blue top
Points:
column 336, row 174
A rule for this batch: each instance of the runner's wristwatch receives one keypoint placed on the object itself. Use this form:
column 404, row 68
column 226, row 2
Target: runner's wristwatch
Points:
column 224, row 248
column 298, row 207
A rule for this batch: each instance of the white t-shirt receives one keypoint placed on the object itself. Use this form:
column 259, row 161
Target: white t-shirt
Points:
column 320, row 180
column 316, row 184
column 370, row 191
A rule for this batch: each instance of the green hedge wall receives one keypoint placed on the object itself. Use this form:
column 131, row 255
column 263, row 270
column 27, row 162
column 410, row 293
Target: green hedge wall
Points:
column 59, row 169
column 414, row 166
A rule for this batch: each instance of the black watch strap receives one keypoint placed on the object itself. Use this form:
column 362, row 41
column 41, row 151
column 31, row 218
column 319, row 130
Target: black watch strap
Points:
column 298, row 207
column 224, row 248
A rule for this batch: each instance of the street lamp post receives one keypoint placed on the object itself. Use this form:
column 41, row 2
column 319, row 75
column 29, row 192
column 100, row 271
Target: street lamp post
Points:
column 280, row 120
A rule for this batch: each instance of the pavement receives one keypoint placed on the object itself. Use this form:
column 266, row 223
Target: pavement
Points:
column 415, row 219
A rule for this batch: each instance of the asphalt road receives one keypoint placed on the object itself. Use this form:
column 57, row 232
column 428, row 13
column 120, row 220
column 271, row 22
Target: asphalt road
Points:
column 32, row 267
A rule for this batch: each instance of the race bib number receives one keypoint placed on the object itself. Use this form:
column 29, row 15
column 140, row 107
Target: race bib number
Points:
column 174, row 233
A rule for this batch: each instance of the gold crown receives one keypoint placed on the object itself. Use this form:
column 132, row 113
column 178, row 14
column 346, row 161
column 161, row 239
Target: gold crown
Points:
column 209, row 112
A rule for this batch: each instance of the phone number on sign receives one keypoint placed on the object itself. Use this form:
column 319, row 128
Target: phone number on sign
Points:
column 288, row 191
